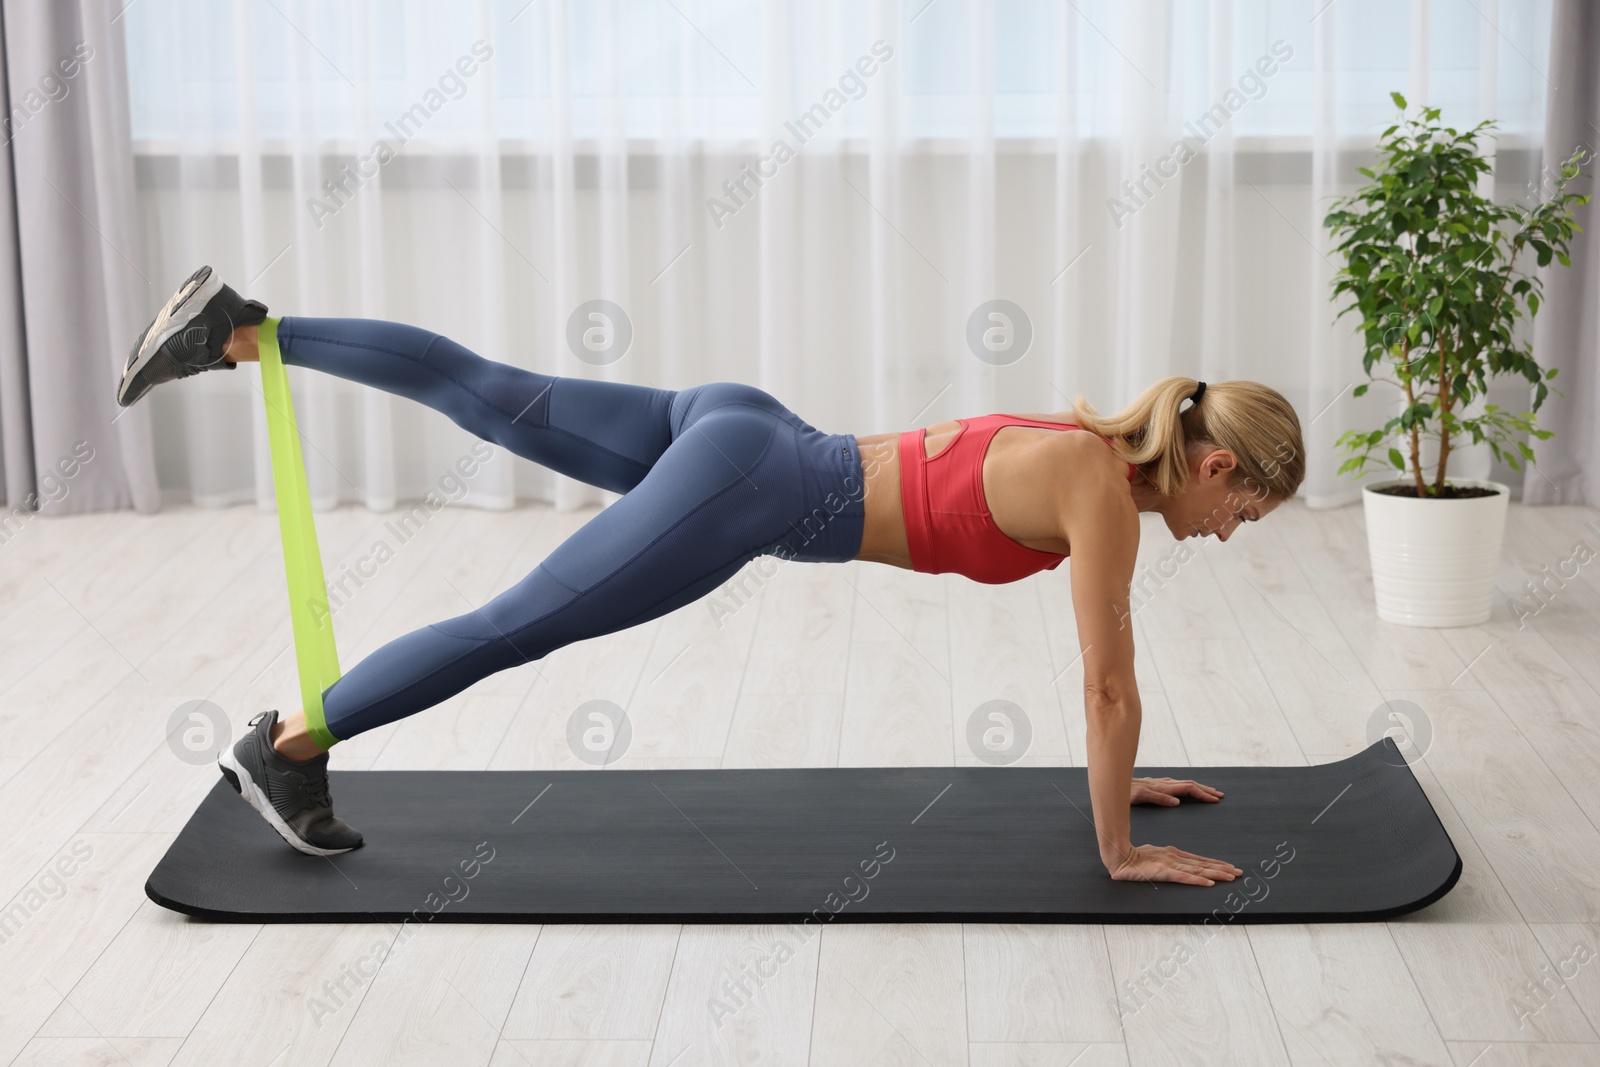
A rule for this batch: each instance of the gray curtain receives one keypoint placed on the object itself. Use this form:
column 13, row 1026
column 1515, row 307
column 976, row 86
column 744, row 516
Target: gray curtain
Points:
column 71, row 292
column 1566, row 332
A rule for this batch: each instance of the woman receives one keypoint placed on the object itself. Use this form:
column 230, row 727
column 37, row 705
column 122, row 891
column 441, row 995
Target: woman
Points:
column 713, row 476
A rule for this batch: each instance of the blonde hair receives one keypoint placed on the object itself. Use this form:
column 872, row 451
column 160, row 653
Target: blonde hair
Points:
column 1251, row 420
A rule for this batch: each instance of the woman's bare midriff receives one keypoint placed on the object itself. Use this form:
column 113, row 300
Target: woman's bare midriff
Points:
column 1020, row 459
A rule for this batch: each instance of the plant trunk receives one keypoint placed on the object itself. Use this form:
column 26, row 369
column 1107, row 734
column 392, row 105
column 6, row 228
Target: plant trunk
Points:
column 1416, row 438
column 1444, row 455
column 1446, row 401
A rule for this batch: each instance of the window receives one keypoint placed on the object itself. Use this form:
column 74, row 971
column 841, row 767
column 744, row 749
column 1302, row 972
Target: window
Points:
column 693, row 68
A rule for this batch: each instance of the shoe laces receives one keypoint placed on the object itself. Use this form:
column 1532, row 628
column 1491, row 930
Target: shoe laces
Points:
column 317, row 790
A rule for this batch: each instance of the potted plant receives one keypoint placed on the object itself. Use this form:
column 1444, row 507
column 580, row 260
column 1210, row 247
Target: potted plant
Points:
column 1438, row 274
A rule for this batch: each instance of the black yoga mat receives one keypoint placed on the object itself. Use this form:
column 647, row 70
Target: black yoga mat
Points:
column 1351, row 840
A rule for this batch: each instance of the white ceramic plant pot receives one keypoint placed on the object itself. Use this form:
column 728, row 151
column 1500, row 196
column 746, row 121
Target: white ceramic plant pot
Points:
column 1434, row 561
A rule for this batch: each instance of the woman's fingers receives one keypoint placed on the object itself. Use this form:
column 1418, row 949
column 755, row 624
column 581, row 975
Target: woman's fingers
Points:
column 1169, row 864
column 1205, row 861
column 1176, row 787
column 1221, row 874
column 1208, row 861
column 1193, row 856
column 1198, row 876
column 1221, row 868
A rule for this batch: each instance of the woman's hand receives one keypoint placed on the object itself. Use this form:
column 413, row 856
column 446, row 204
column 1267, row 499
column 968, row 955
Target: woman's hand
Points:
column 1165, row 863
column 1168, row 791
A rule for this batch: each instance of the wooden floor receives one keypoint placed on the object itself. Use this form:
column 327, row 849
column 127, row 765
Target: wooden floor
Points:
column 1265, row 650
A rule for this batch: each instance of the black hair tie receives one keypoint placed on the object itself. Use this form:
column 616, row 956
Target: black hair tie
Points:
column 1198, row 393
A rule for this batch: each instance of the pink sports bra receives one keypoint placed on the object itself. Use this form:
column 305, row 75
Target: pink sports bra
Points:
column 948, row 525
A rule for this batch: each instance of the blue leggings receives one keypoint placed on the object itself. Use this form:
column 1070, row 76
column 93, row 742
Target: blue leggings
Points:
column 711, row 476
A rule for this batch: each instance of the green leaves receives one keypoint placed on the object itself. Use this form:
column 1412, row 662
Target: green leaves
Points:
column 1438, row 278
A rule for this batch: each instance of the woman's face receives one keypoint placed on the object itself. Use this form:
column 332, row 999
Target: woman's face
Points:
column 1211, row 504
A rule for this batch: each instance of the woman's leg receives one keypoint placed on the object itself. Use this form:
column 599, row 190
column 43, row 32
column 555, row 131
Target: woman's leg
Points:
column 726, row 488
column 608, row 434
column 712, row 476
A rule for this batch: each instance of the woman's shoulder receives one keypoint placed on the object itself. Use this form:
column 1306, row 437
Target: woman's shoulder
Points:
column 1086, row 468
column 1065, row 418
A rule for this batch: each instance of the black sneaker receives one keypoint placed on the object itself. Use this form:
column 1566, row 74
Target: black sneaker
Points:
column 187, row 336
column 291, row 795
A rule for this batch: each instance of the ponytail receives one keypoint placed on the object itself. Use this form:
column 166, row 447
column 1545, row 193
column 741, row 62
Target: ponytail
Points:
column 1251, row 420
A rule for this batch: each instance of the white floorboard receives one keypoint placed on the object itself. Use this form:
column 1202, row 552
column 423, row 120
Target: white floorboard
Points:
column 1264, row 650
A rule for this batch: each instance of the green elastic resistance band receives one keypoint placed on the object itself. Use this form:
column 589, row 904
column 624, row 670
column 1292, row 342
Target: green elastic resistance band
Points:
column 315, row 653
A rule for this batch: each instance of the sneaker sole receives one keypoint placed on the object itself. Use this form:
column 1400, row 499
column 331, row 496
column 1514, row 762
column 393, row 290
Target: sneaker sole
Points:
column 171, row 321
column 246, row 787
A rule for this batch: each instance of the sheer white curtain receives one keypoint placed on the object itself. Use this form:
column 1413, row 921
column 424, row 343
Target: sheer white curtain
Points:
column 822, row 199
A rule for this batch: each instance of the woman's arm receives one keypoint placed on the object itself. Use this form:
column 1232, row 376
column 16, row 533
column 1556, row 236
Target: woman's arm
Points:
column 1103, row 553
column 1102, row 527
